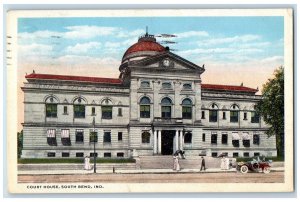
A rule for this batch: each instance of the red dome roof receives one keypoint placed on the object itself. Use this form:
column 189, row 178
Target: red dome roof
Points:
column 144, row 45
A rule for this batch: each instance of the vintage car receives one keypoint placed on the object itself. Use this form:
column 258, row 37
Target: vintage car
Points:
column 254, row 166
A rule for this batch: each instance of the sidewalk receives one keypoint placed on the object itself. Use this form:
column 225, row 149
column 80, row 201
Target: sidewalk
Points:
column 137, row 171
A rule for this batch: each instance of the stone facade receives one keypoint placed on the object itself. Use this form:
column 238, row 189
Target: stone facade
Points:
column 175, row 113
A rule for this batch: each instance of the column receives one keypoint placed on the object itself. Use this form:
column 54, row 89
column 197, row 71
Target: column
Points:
column 154, row 142
column 176, row 140
column 159, row 141
column 181, row 140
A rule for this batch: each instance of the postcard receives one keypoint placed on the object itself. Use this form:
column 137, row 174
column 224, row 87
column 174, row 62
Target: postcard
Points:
column 150, row 101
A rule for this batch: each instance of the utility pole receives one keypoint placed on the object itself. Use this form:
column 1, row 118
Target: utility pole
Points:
column 94, row 139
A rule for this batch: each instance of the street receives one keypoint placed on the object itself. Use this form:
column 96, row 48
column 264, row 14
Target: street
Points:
column 273, row 177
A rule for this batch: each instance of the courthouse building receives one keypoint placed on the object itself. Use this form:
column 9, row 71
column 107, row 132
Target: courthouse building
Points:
column 157, row 106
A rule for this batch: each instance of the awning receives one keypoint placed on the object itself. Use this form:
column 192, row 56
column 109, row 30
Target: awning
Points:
column 235, row 136
column 246, row 136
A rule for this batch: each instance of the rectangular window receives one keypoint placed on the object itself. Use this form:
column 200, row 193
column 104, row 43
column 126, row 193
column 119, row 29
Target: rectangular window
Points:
column 65, row 154
column 93, row 111
column 93, row 136
column 107, row 155
column 51, row 154
column 51, row 137
column 145, row 111
column 224, row 139
column 214, row 138
column 254, row 117
column 256, row 140
column 120, row 154
column 79, row 111
column 245, row 115
column 51, row 110
column 120, row 136
column 234, row 116
column 256, row 154
column 65, row 110
column 203, row 115
column 79, row 136
column 120, row 112
column 79, row 154
column 166, row 112
column 65, row 137
column 214, row 154
column 106, row 112
column 235, row 154
column 246, row 154
column 93, row 154
column 107, row 137
column 187, row 112
column 203, row 137
column 213, row 115
column 224, row 115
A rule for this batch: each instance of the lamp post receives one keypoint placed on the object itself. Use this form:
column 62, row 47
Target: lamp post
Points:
column 94, row 139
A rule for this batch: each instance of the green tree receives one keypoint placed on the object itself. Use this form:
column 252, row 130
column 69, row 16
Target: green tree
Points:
column 271, row 108
column 20, row 143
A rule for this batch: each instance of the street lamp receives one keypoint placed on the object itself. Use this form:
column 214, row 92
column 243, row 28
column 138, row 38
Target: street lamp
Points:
column 94, row 139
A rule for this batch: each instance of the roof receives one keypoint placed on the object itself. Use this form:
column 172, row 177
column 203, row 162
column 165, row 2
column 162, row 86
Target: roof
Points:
column 228, row 88
column 143, row 45
column 74, row 78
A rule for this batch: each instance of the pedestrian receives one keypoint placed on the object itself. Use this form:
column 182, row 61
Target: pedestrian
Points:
column 176, row 165
column 202, row 164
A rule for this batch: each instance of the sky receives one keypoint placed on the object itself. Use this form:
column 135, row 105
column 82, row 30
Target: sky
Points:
column 234, row 50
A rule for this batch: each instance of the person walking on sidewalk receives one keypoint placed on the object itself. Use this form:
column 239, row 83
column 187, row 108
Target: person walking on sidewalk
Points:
column 176, row 165
column 202, row 164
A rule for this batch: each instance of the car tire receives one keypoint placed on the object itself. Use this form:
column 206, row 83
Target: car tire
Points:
column 244, row 169
column 267, row 170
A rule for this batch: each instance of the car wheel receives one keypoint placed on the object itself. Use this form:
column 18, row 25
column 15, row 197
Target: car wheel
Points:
column 267, row 170
column 244, row 169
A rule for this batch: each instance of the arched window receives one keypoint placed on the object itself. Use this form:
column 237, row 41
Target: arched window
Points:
column 145, row 107
column 79, row 108
column 166, row 108
column 145, row 137
column 213, row 113
column 51, row 107
column 106, row 108
column 187, row 86
column 188, row 138
column 234, row 113
column 186, row 109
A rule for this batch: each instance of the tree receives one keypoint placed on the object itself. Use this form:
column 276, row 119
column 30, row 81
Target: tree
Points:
column 20, row 143
column 271, row 108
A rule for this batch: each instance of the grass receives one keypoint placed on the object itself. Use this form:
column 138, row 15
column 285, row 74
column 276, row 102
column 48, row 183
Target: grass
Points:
column 74, row 160
column 278, row 158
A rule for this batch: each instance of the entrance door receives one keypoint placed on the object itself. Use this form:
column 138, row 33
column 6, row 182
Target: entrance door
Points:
column 167, row 137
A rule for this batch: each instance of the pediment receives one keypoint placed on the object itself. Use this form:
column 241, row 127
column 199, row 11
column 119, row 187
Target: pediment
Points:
column 168, row 60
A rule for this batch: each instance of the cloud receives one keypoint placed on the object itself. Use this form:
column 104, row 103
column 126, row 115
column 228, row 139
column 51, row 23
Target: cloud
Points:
column 126, row 33
column 192, row 34
column 43, row 34
column 226, row 40
column 82, row 47
column 86, row 32
column 34, row 49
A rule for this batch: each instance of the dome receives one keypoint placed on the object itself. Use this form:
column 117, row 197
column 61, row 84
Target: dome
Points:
column 146, row 46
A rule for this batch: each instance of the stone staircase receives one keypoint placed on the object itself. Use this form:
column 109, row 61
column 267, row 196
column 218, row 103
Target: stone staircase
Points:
column 166, row 162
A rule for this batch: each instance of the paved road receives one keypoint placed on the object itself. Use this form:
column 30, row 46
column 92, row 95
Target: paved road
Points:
column 273, row 177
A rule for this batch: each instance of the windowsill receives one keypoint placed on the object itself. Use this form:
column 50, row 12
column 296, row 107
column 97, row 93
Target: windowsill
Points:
column 79, row 117
column 51, row 117
column 79, row 142
column 107, row 118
